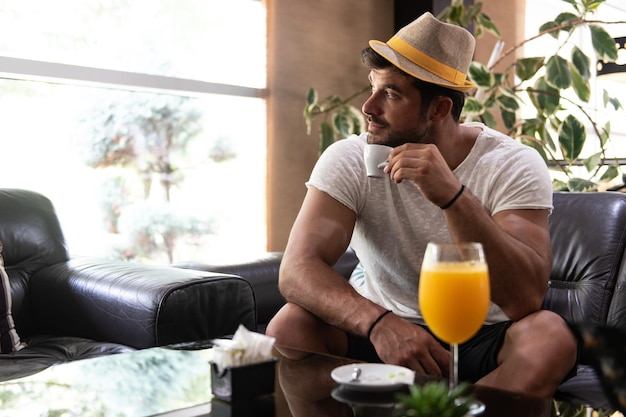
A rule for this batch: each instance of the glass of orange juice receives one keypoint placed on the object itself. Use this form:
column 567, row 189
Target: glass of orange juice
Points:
column 454, row 294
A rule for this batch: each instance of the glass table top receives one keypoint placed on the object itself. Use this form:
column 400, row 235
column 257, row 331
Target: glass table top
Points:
column 176, row 382
column 141, row 383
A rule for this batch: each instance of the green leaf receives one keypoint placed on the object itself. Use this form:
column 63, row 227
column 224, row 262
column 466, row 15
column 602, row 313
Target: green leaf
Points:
column 566, row 17
column 484, row 21
column 581, row 87
column 548, row 140
column 311, row 97
column 327, row 136
column 489, row 119
column 592, row 5
column 481, row 75
column 612, row 171
column 593, row 161
column 607, row 99
column 559, row 185
column 433, row 399
column 546, row 99
column 358, row 120
column 456, row 14
column 582, row 63
column 508, row 103
column 526, row 68
column 582, row 185
column 470, row 14
column 605, row 133
column 557, row 72
column 547, row 26
column 342, row 124
column 531, row 126
column 473, row 107
column 572, row 137
column 508, row 118
column 603, row 43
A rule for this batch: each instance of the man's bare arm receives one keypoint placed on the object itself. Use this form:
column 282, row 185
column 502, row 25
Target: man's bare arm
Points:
column 519, row 255
column 320, row 235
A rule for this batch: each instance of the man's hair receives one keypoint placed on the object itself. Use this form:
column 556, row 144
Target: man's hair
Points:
column 373, row 60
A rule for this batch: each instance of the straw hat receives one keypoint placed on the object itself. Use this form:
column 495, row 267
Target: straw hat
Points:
column 433, row 51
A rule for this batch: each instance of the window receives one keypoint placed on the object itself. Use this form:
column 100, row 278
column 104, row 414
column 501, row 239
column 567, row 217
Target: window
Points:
column 143, row 122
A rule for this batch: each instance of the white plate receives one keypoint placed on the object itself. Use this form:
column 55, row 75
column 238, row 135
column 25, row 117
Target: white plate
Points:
column 374, row 376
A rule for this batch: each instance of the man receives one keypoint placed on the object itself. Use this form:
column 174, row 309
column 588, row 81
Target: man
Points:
column 445, row 182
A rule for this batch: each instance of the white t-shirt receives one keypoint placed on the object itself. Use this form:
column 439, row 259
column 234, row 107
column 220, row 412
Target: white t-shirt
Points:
column 394, row 222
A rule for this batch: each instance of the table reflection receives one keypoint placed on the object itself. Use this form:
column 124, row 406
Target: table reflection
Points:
column 309, row 390
column 306, row 385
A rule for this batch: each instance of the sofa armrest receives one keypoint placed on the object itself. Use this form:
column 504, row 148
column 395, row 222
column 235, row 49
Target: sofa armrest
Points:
column 261, row 271
column 139, row 305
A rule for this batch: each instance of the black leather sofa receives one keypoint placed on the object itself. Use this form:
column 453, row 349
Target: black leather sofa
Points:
column 587, row 282
column 68, row 309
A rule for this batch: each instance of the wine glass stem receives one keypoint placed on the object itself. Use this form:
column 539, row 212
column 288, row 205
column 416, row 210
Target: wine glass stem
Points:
column 454, row 366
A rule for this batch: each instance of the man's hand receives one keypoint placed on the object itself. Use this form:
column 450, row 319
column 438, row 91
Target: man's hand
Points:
column 426, row 168
column 400, row 342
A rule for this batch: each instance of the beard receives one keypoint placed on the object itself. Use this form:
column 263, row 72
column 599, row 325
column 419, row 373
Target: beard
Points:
column 394, row 138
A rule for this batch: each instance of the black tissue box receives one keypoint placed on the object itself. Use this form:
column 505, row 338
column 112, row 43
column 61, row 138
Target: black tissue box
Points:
column 243, row 382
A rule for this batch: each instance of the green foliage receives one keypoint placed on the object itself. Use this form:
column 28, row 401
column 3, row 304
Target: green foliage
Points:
column 434, row 399
column 558, row 88
column 141, row 139
column 555, row 87
column 340, row 118
column 144, row 135
column 156, row 226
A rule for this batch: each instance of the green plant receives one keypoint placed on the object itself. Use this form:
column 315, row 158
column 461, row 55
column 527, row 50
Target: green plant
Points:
column 542, row 101
column 340, row 118
column 434, row 399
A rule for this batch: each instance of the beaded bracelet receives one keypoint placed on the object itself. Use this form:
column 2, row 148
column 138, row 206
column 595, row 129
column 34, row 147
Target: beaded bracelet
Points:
column 369, row 332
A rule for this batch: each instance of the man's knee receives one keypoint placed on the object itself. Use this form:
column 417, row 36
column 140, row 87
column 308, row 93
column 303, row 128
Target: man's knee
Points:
column 546, row 338
column 289, row 319
column 296, row 327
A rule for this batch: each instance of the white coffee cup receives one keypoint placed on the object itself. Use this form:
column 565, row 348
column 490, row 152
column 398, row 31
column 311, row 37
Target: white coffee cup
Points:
column 376, row 157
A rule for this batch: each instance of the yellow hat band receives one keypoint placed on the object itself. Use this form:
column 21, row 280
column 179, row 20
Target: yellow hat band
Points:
column 419, row 58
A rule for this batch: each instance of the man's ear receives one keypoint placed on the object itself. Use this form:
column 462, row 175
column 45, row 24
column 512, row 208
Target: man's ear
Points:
column 440, row 108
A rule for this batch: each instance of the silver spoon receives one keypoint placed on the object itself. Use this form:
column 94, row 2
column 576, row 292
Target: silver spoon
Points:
column 356, row 373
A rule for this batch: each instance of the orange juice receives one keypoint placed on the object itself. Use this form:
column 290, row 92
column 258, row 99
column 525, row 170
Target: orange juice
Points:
column 454, row 299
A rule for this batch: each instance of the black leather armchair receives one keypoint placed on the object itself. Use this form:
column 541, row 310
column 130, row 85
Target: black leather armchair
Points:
column 587, row 282
column 76, row 308
column 588, row 233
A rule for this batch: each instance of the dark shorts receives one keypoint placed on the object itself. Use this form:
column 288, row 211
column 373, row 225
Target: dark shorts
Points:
column 477, row 357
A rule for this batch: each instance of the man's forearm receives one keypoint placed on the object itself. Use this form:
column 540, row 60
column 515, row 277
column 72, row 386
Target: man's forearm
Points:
column 517, row 247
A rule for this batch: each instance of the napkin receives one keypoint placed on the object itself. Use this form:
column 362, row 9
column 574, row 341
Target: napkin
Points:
column 244, row 348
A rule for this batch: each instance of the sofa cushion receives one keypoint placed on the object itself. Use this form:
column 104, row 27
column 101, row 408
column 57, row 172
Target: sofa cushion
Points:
column 45, row 350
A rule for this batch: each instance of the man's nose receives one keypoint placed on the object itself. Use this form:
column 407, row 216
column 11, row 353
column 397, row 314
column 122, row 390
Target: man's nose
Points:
column 369, row 106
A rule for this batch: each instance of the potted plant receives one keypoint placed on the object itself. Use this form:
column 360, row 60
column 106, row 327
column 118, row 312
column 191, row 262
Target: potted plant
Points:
column 434, row 399
column 555, row 87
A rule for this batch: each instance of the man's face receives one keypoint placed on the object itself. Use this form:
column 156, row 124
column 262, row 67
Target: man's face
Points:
column 394, row 110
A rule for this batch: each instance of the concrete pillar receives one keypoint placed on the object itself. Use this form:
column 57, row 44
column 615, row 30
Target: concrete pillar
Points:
column 311, row 43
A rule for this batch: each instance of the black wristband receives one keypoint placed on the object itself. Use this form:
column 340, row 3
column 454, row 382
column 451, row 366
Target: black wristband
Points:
column 449, row 203
column 369, row 332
